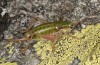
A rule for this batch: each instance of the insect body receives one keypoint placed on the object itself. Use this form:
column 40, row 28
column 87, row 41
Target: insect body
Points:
column 48, row 30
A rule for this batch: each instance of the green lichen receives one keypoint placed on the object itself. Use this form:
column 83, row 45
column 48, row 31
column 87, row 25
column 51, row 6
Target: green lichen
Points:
column 86, row 49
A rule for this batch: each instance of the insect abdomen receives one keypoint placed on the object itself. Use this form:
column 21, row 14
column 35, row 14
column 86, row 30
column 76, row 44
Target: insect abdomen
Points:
column 48, row 28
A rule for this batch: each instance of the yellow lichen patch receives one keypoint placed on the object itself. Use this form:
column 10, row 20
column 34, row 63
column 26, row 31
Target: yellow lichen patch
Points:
column 9, row 44
column 2, row 60
column 11, row 47
column 8, row 63
column 94, row 57
column 69, row 48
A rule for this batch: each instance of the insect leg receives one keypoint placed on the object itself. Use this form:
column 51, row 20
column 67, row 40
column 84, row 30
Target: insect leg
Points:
column 82, row 20
column 28, row 39
column 52, row 38
column 32, row 23
column 17, row 40
column 26, row 47
column 41, row 20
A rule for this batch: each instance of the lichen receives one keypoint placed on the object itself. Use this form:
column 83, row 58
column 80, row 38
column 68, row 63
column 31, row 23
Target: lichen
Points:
column 11, row 47
column 8, row 63
column 85, row 48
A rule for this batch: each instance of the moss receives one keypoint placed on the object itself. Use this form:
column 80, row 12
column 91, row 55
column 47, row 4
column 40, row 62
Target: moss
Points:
column 86, row 49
